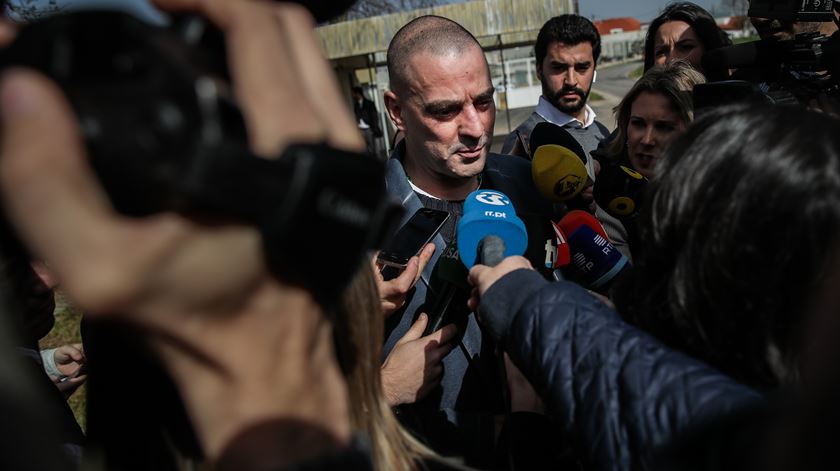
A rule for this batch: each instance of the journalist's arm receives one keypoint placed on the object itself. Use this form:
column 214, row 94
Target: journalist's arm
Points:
column 617, row 391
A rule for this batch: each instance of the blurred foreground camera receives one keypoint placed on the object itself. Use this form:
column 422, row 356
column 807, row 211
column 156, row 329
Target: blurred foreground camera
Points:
column 787, row 71
column 163, row 133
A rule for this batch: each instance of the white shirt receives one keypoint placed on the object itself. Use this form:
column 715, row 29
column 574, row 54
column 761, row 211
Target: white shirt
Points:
column 551, row 114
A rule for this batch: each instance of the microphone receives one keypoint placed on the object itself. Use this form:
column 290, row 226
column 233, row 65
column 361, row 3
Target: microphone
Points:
column 558, row 173
column 595, row 262
column 489, row 230
column 558, row 163
column 549, row 133
column 619, row 191
column 557, row 254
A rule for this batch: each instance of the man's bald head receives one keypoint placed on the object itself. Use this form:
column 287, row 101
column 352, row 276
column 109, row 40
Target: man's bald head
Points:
column 429, row 34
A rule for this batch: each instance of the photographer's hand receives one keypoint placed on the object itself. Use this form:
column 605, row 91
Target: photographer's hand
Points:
column 243, row 348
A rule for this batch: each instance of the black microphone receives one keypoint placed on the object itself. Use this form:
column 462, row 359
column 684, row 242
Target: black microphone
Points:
column 619, row 190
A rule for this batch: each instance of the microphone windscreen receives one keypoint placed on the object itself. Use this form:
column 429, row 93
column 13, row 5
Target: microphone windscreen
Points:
column 546, row 133
column 558, row 173
column 573, row 220
column 563, row 255
column 489, row 212
column 595, row 261
column 619, row 191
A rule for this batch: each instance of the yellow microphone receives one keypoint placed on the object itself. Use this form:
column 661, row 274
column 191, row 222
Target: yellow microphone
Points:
column 558, row 172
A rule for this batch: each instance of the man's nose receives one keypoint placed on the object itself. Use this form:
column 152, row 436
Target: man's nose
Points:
column 471, row 124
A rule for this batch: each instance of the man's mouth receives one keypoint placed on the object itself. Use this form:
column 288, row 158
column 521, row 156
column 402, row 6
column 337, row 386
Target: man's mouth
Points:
column 471, row 152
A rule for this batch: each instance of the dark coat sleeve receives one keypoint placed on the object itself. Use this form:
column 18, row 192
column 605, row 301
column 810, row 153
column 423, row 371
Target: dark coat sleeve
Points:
column 618, row 393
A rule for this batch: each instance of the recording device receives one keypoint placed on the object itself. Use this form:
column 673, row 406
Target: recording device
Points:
column 448, row 280
column 619, row 191
column 412, row 237
column 558, row 163
column 790, row 63
column 163, row 133
column 489, row 213
column 595, row 262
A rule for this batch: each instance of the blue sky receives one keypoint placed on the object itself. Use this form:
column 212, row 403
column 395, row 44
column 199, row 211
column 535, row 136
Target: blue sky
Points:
column 644, row 10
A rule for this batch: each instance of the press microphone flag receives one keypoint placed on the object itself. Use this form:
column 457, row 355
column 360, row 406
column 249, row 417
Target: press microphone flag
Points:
column 490, row 213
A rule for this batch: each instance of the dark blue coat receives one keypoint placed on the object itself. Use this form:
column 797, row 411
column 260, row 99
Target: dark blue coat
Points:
column 617, row 392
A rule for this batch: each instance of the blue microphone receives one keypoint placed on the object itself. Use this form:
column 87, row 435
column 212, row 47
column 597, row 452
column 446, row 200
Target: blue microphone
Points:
column 489, row 230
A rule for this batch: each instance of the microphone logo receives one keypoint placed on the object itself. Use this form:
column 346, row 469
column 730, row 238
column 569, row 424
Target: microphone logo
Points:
column 568, row 186
column 493, row 198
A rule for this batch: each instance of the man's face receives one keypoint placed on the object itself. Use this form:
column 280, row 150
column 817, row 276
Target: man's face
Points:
column 566, row 74
column 447, row 112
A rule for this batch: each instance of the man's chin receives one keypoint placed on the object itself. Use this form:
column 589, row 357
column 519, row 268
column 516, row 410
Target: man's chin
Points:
column 569, row 106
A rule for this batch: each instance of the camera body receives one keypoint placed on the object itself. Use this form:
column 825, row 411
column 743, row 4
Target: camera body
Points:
column 163, row 133
column 792, row 10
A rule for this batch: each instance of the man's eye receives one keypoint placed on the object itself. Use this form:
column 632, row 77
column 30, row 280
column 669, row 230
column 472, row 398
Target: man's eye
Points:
column 444, row 113
column 483, row 104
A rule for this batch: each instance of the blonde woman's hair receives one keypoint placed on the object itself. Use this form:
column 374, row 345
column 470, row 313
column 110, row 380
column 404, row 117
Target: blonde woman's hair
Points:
column 674, row 80
column 359, row 337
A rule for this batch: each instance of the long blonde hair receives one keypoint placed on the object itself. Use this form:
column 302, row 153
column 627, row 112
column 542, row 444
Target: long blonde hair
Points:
column 359, row 335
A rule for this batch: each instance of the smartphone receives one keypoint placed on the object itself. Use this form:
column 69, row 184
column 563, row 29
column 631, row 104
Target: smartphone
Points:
column 412, row 237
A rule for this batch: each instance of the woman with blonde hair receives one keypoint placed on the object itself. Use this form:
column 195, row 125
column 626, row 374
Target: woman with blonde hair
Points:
column 653, row 113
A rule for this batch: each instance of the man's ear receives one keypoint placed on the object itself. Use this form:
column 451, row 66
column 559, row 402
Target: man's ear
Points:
column 539, row 71
column 392, row 104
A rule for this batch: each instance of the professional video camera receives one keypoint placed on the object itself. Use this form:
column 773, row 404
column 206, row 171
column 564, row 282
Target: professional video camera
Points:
column 789, row 70
column 163, row 133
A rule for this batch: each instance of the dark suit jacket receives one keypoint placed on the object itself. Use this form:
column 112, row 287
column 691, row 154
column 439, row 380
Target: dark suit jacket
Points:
column 457, row 418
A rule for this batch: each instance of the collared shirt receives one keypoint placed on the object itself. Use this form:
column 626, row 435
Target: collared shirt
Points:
column 551, row 114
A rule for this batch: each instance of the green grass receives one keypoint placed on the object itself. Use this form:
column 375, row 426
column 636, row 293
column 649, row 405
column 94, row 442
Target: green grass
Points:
column 594, row 96
column 66, row 330
column 745, row 40
column 637, row 72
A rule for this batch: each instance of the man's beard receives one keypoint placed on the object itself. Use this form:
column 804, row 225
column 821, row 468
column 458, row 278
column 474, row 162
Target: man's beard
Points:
column 557, row 99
